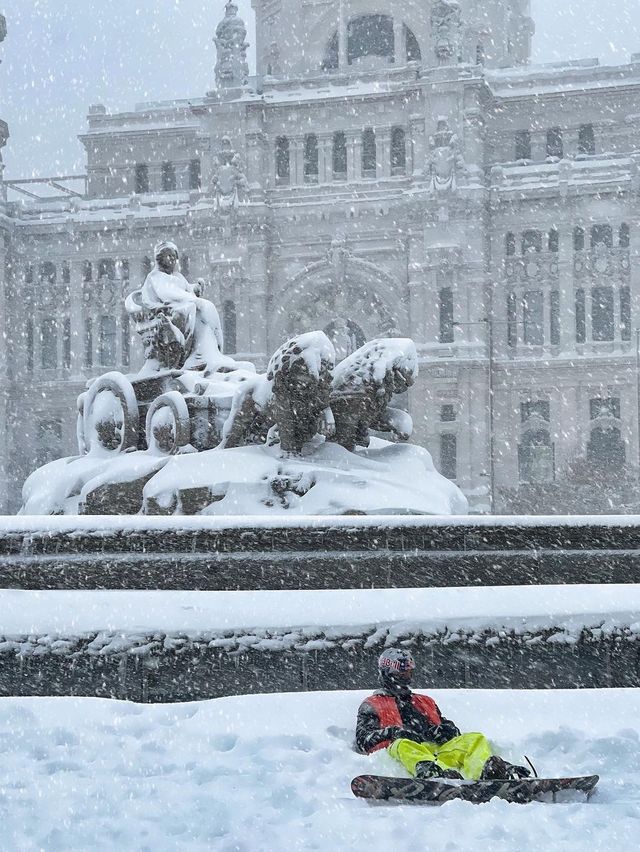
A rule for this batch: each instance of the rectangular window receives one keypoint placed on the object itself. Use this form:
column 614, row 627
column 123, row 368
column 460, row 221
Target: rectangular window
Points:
column 523, row 145
column 311, row 158
column 108, row 338
column 369, row 154
column 533, row 314
column 512, row 320
column 126, row 340
column 581, row 317
column 625, row 313
column 554, row 143
column 66, row 343
column 142, row 178
column 602, row 319
column 449, row 456
column 283, row 163
column 195, row 174
column 49, row 339
column 586, row 139
column 602, row 234
column 448, row 413
column 339, row 156
column 554, row 318
column 88, row 343
column 446, row 315
column 554, row 240
column 30, row 345
column 169, row 183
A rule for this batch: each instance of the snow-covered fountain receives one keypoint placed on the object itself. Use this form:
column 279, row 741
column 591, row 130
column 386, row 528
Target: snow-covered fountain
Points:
column 197, row 432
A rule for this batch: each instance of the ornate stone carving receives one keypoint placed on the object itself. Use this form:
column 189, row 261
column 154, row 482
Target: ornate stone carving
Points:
column 446, row 26
column 229, row 185
column 232, row 68
column 445, row 159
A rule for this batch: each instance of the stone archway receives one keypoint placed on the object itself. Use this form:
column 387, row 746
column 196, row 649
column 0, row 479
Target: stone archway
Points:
column 350, row 299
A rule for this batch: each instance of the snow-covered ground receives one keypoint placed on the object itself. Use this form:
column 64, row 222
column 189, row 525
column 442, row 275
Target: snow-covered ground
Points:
column 272, row 773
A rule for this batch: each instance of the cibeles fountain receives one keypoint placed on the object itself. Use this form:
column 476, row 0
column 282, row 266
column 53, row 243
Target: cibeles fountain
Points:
column 197, row 432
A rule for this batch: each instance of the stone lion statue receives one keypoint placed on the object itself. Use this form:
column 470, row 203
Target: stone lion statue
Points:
column 362, row 388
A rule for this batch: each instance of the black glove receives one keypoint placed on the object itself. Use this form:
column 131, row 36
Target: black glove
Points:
column 442, row 733
column 395, row 733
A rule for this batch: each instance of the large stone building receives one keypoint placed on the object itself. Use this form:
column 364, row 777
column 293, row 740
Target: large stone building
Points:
column 394, row 169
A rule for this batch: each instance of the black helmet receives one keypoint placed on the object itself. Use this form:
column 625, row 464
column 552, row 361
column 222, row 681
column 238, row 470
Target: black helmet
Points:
column 395, row 668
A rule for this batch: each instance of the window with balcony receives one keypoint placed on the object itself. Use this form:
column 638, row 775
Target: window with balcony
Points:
column 369, row 153
column 586, row 139
column 142, row 178
column 169, row 183
column 311, row 158
column 398, row 151
column 339, row 156
column 555, row 146
column 606, row 451
column 523, row 145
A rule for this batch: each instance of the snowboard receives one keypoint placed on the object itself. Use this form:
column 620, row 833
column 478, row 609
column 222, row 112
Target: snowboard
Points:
column 437, row 791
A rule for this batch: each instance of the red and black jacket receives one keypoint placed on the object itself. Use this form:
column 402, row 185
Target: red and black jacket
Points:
column 384, row 715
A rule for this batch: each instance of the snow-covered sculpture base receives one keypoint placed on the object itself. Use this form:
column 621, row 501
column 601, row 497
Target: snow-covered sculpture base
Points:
column 196, row 432
column 326, row 479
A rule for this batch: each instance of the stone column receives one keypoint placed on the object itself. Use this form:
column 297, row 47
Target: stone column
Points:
column 255, row 160
column 566, row 290
column 325, row 157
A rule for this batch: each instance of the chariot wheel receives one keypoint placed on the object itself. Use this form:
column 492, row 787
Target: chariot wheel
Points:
column 168, row 426
column 109, row 416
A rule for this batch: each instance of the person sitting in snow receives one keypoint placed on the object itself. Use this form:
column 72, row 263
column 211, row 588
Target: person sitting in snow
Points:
column 414, row 731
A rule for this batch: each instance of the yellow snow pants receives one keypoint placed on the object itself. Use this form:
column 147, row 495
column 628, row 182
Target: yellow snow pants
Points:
column 467, row 753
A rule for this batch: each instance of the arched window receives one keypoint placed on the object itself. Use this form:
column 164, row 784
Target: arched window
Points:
column 311, row 158
column 87, row 271
column 606, row 450
column 624, row 238
column 370, row 35
column 398, row 151
column 108, row 332
column 369, row 167
column 339, row 156
column 332, row 55
column 578, row 239
column 169, row 183
column 536, row 457
column 283, row 163
column 229, row 327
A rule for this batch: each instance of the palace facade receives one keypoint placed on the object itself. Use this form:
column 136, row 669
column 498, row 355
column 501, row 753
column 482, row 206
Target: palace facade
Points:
column 395, row 169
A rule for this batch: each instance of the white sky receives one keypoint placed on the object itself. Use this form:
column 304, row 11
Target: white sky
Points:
column 62, row 55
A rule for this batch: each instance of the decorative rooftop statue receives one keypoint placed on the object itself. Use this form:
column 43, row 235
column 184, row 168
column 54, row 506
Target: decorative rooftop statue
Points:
column 195, row 431
column 232, row 68
column 446, row 26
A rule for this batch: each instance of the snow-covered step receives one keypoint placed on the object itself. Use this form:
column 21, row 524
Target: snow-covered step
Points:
column 179, row 645
column 315, row 553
